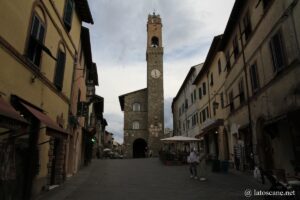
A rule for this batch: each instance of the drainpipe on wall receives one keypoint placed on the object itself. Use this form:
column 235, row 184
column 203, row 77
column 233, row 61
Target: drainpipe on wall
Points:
column 247, row 86
column 67, row 147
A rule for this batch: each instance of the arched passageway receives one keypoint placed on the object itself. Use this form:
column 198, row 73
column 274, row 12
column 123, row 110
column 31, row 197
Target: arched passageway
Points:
column 139, row 148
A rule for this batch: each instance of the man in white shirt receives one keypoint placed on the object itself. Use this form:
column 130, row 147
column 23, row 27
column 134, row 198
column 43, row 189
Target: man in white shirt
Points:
column 193, row 160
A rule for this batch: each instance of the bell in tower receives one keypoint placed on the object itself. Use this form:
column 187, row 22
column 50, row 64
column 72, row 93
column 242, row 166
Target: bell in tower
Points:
column 154, row 29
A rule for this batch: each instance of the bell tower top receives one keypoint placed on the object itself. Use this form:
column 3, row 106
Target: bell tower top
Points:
column 154, row 31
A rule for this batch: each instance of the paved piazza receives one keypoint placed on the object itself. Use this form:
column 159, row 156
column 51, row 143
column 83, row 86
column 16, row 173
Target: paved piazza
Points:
column 149, row 179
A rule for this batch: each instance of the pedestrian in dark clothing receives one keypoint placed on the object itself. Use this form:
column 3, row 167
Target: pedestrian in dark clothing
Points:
column 237, row 155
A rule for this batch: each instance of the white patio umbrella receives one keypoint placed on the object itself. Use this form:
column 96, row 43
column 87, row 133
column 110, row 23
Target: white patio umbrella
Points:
column 106, row 149
column 180, row 139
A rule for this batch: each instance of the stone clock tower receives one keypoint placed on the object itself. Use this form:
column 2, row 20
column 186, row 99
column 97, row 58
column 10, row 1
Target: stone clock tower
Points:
column 144, row 108
column 154, row 58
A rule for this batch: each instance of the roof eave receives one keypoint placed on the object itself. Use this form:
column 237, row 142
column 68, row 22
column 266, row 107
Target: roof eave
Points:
column 83, row 9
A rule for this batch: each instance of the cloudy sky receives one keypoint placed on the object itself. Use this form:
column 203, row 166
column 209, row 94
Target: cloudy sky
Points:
column 118, row 40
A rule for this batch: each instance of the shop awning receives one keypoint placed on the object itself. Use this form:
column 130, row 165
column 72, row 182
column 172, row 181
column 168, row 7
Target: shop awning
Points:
column 44, row 119
column 6, row 110
column 208, row 125
column 211, row 123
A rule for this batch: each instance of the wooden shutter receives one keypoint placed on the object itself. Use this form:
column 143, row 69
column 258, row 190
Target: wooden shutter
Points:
column 60, row 70
column 37, row 35
column 68, row 14
column 277, row 52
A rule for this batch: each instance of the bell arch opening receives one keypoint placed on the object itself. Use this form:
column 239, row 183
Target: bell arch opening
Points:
column 154, row 41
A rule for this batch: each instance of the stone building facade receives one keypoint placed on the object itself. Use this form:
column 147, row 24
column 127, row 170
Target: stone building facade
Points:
column 144, row 109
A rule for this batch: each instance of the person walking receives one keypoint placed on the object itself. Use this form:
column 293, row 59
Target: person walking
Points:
column 237, row 155
column 193, row 160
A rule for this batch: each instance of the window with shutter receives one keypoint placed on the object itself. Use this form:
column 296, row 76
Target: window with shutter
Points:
column 60, row 70
column 200, row 93
column 247, row 26
column 231, row 103
column 36, row 39
column 277, row 51
column 219, row 66
column 68, row 13
column 228, row 64
column 222, row 99
column 204, row 88
column 235, row 45
column 241, row 91
column 254, row 78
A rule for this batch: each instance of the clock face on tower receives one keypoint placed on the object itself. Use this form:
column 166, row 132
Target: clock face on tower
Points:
column 155, row 73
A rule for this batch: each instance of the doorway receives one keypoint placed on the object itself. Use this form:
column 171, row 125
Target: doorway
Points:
column 53, row 180
column 139, row 148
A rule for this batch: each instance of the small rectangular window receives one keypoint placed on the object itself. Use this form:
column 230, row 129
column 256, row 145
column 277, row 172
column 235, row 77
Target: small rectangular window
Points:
column 277, row 51
column 222, row 99
column 200, row 93
column 68, row 14
column 231, row 103
column 200, row 117
column 219, row 66
column 214, row 108
column 192, row 98
column 228, row 64
column 36, row 39
column 207, row 113
column 204, row 115
column 266, row 3
column 186, row 103
column 235, row 45
column 241, row 91
column 204, row 88
column 211, row 79
column 60, row 70
column 247, row 26
column 254, row 78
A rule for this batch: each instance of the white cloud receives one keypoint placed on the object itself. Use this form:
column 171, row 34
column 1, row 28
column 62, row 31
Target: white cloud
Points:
column 119, row 45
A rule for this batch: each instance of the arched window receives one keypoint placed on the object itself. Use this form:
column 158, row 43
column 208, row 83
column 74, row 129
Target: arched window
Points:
column 136, row 107
column 135, row 125
column 154, row 41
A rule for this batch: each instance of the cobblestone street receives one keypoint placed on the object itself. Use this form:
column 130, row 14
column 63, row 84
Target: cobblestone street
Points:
column 148, row 179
